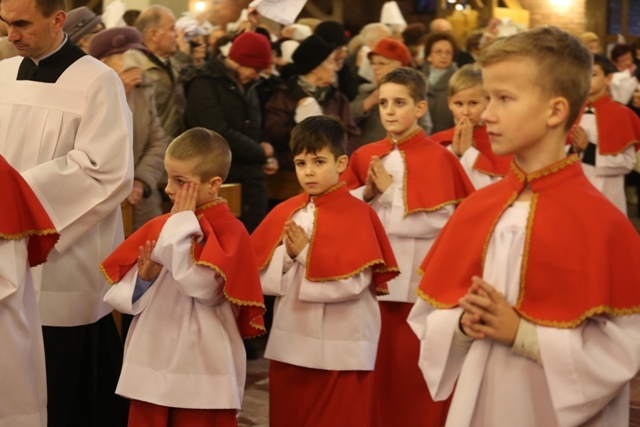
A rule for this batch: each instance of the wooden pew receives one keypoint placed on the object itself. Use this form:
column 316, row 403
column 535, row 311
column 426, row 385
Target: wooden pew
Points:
column 283, row 185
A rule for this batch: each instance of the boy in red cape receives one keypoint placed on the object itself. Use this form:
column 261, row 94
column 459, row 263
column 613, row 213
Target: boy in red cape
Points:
column 606, row 137
column 191, row 281
column 325, row 256
column 468, row 139
column 27, row 236
column 529, row 300
column 413, row 184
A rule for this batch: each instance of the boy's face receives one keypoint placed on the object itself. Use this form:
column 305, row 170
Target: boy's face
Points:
column 181, row 172
column 399, row 113
column 469, row 103
column 624, row 62
column 599, row 82
column 517, row 115
column 318, row 172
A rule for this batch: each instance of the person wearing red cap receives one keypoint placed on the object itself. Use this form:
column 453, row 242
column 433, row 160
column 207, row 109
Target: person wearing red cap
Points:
column 222, row 97
column 387, row 55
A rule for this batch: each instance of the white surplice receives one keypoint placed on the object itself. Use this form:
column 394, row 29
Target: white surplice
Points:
column 584, row 375
column 72, row 142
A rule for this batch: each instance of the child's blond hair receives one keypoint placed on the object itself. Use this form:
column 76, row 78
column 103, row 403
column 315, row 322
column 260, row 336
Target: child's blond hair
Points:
column 210, row 150
column 466, row 77
column 563, row 63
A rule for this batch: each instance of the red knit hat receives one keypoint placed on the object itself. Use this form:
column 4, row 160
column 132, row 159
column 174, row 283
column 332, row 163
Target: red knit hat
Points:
column 392, row 49
column 251, row 50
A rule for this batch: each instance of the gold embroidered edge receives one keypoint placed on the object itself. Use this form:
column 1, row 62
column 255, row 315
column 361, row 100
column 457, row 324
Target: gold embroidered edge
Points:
column 602, row 309
column 433, row 302
column 27, row 233
column 525, row 252
column 433, row 208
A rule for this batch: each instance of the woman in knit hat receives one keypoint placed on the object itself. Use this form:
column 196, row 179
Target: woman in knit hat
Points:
column 307, row 91
column 222, row 97
column 387, row 55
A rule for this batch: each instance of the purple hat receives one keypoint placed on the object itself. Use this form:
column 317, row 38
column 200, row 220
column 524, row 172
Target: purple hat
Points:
column 115, row 40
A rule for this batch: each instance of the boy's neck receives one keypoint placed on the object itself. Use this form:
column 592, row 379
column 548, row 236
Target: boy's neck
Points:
column 549, row 150
column 211, row 199
column 596, row 96
column 403, row 135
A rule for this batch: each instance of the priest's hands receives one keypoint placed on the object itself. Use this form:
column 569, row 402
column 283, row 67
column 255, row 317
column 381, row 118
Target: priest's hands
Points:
column 148, row 269
column 186, row 198
column 487, row 314
column 378, row 179
column 295, row 238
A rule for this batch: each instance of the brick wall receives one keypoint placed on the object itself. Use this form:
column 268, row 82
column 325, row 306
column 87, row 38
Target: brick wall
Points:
column 572, row 19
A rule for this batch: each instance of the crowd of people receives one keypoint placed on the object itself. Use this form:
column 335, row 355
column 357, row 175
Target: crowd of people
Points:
column 415, row 279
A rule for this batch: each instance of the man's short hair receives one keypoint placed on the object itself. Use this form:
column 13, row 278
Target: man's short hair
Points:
column 316, row 132
column 210, row 150
column 604, row 63
column 49, row 7
column 563, row 63
column 466, row 77
column 413, row 80
column 150, row 18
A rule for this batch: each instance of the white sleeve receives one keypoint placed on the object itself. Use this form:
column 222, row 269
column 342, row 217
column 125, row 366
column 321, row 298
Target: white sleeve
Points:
column 335, row 290
column 617, row 164
column 477, row 178
column 13, row 267
column 80, row 189
column 623, row 83
column 441, row 357
column 272, row 277
column 419, row 225
column 120, row 294
column 588, row 366
column 173, row 251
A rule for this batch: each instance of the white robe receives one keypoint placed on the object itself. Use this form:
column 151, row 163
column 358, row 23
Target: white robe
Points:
column 23, row 390
column 583, row 380
column 410, row 236
column 184, row 348
column 477, row 178
column 72, row 143
column 332, row 325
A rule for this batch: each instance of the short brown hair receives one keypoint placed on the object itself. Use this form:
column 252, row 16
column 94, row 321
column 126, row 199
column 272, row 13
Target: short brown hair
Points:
column 316, row 132
column 466, row 77
column 433, row 38
column 209, row 149
column 412, row 79
column 49, row 7
column 563, row 63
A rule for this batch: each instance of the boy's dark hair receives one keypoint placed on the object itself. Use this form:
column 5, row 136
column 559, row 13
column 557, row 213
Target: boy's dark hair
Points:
column 412, row 79
column 604, row 63
column 563, row 63
column 316, row 132
column 210, row 150
column 619, row 50
column 433, row 38
column 49, row 7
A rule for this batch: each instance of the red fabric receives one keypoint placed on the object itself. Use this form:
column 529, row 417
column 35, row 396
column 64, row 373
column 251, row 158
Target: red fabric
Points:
column 145, row 414
column 433, row 175
column 487, row 162
column 392, row 49
column 618, row 126
column 251, row 50
column 305, row 397
column 226, row 248
column 22, row 216
column 348, row 237
column 400, row 393
column 580, row 258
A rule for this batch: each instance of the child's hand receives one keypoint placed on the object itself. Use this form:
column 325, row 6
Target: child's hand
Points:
column 488, row 314
column 271, row 167
column 186, row 198
column 295, row 238
column 148, row 269
column 462, row 137
column 579, row 139
column 379, row 175
column 370, row 189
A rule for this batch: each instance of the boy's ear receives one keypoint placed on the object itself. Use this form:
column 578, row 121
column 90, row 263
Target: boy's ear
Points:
column 558, row 111
column 342, row 162
column 214, row 184
column 421, row 108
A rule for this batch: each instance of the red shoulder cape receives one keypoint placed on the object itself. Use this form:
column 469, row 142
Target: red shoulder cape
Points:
column 433, row 175
column 581, row 256
column 348, row 238
column 487, row 162
column 226, row 249
column 618, row 126
column 22, row 216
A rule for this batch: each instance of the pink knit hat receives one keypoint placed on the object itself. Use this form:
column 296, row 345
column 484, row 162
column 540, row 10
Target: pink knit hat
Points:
column 251, row 50
column 392, row 49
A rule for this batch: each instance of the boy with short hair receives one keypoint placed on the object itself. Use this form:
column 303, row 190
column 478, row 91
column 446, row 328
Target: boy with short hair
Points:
column 27, row 235
column 607, row 136
column 324, row 255
column 413, row 184
column 468, row 139
column 190, row 280
column 532, row 329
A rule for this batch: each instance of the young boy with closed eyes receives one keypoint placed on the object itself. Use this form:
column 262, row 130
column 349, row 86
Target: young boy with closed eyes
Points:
column 190, row 279
column 324, row 255
column 413, row 184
